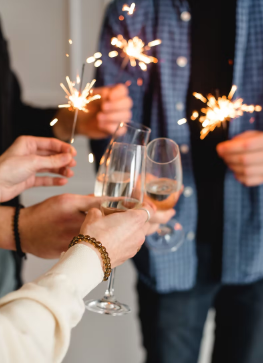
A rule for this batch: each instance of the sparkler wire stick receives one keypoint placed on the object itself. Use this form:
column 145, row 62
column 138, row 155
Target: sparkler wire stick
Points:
column 77, row 110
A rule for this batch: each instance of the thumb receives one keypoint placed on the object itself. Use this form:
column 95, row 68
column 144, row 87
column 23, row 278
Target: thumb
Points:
column 92, row 216
column 52, row 161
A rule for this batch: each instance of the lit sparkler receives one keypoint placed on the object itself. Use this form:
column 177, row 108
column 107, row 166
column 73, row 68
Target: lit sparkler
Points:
column 220, row 109
column 78, row 100
column 129, row 9
column 134, row 50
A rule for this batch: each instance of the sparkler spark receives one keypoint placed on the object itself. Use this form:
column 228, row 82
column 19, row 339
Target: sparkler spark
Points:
column 95, row 59
column 53, row 122
column 77, row 100
column 134, row 50
column 129, row 9
column 182, row 121
column 220, row 109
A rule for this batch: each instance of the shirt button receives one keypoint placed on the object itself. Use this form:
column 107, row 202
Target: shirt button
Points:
column 184, row 149
column 190, row 236
column 188, row 191
column 179, row 106
column 185, row 16
column 181, row 61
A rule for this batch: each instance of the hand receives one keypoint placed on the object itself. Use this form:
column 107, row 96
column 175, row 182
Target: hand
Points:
column 122, row 234
column 46, row 229
column 29, row 155
column 244, row 156
column 103, row 117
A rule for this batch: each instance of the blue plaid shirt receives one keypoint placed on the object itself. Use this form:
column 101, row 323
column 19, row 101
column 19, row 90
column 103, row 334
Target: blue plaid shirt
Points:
column 161, row 101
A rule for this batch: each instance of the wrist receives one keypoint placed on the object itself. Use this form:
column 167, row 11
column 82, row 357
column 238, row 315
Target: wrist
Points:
column 7, row 240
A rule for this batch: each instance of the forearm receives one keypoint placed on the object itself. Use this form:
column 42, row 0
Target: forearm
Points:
column 52, row 303
column 7, row 241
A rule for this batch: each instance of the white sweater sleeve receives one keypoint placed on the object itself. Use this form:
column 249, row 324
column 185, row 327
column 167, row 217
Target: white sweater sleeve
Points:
column 36, row 320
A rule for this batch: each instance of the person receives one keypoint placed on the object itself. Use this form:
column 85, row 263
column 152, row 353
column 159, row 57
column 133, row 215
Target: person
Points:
column 44, row 224
column 206, row 47
column 36, row 320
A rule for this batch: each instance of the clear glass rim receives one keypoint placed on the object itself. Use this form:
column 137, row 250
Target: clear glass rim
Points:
column 168, row 162
column 135, row 126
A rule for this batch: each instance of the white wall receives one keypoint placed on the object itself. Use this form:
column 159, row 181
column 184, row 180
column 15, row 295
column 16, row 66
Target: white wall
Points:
column 38, row 31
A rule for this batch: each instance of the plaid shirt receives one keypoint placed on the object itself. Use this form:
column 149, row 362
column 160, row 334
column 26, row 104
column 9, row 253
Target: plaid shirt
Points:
column 161, row 101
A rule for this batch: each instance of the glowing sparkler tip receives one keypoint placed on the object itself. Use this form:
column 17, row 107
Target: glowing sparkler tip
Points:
column 182, row 121
column 53, row 122
column 220, row 110
column 72, row 140
column 91, row 158
column 78, row 79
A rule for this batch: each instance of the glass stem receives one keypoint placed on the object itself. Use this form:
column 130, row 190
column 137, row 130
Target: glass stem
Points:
column 110, row 288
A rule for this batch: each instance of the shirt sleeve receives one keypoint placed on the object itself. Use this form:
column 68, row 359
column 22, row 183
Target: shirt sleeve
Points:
column 36, row 321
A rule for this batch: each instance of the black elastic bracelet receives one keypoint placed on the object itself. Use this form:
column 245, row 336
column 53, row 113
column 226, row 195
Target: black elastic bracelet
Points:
column 16, row 232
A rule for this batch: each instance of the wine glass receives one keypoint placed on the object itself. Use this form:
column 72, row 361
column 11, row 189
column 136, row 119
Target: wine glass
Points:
column 164, row 178
column 124, row 179
column 130, row 133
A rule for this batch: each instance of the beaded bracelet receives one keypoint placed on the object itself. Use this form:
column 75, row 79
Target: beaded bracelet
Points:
column 102, row 250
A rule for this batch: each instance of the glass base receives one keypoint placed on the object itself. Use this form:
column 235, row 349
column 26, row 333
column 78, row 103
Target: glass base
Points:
column 108, row 307
column 169, row 238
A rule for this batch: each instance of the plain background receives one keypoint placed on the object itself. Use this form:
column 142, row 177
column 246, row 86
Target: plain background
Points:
column 38, row 33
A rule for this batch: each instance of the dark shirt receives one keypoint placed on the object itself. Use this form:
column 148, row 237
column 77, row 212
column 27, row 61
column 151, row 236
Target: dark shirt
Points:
column 213, row 46
column 16, row 118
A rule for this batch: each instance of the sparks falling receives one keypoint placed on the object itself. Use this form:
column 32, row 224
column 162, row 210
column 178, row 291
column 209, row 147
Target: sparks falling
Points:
column 78, row 100
column 129, row 9
column 220, row 109
column 134, row 50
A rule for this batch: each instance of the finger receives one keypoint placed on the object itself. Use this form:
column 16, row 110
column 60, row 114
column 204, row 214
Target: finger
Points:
column 249, row 181
column 92, row 216
column 119, row 105
column 244, row 158
column 162, row 217
column 51, row 162
column 241, row 144
column 118, row 92
column 116, row 117
column 152, row 228
column 47, row 181
column 247, row 170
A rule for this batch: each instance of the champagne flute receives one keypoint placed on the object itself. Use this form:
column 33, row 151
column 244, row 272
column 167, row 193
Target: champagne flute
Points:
column 130, row 133
column 164, row 178
column 123, row 177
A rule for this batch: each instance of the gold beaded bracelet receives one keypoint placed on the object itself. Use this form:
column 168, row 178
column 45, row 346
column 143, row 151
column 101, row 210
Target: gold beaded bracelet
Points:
column 102, row 250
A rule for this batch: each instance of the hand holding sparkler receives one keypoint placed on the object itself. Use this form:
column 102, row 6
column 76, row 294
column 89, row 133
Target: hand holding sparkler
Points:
column 105, row 113
column 244, row 156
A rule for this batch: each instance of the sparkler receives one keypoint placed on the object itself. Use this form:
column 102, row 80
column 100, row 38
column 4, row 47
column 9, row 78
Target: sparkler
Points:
column 220, row 110
column 134, row 50
column 78, row 100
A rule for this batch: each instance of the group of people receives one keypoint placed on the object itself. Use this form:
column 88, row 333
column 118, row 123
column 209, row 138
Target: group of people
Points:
column 206, row 48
